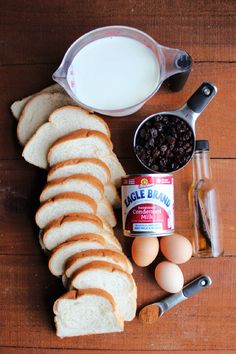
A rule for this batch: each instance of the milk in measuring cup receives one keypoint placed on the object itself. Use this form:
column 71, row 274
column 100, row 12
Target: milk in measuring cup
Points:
column 113, row 73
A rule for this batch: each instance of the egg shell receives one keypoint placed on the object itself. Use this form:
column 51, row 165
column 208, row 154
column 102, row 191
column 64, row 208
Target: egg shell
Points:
column 169, row 277
column 176, row 248
column 144, row 250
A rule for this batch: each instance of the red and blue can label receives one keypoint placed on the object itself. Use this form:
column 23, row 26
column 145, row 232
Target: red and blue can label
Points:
column 148, row 205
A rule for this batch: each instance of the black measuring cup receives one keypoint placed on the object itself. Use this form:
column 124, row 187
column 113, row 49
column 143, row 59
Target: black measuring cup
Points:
column 165, row 141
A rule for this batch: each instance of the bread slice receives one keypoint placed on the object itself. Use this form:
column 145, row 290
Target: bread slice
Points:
column 89, row 311
column 78, row 260
column 93, row 167
column 62, row 204
column 79, row 183
column 81, row 143
column 37, row 111
column 111, row 194
column 111, row 278
column 115, row 167
column 18, row 106
column 104, row 210
column 61, row 122
column 60, row 230
column 85, row 144
column 75, row 244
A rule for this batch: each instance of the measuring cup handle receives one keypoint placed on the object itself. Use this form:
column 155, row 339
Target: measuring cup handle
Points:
column 197, row 285
column 176, row 82
column 202, row 97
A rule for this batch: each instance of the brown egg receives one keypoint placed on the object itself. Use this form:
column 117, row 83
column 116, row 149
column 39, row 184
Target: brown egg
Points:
column 169, row 277
column 176, row 248
column 144, row 250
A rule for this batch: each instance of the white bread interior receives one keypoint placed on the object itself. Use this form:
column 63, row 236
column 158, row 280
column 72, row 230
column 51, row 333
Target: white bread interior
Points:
column 75, row 244
column 18, row 106
column 92, row 166
column 79, row 183
column 111, row 278
column 82, row 143
column 89, row 311
column 62, row 204
column 80, row 259
column 60, row 230
column 61, row 122
column 37, row 111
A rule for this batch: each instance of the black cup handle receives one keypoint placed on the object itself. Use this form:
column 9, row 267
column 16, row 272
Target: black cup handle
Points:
column 197, row 285
column 184, row 62
column 202, row 97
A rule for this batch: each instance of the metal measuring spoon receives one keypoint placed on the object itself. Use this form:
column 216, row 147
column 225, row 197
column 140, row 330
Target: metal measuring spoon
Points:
column 187, row 116
column 150, row 313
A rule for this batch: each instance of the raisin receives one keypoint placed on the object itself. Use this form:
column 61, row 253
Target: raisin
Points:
column 164, row 143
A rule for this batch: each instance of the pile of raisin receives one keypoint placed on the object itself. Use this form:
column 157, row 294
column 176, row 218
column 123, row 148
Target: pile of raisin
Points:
column 164, row 143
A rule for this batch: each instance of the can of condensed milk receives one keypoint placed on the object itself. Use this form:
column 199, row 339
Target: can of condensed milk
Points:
column 148, row 205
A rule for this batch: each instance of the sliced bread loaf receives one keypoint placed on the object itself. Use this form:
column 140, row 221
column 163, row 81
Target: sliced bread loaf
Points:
column 111, row 194
column 81, row 143
column 78, row 260
column 104, row 210
column 61, row 122
column 18, row 106
column 115, row 167
column 111, row 278
column 79, row 183
column 93, row 167
column 89, row 311
column 79, row 243
column 62, row 229
column 37, row 111
column 85, row 144
column 62, row 204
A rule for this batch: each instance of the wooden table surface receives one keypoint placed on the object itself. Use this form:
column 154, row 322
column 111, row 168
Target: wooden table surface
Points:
column 33, row 38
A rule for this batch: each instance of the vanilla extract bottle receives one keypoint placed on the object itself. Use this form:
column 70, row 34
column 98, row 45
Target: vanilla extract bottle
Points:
column 206, row 236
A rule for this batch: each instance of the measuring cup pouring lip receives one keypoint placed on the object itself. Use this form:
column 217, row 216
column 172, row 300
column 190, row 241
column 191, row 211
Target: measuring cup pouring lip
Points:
column 168, row 113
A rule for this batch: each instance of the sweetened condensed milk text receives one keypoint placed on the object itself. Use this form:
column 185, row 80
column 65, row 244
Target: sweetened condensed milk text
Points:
column 148, row 205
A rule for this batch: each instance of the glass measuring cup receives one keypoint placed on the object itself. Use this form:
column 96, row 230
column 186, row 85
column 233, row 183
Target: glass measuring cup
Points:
column 165, row 141
column 172, row 64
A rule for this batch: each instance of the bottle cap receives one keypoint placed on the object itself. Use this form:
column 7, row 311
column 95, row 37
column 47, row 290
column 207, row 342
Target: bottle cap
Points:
column 202, row 145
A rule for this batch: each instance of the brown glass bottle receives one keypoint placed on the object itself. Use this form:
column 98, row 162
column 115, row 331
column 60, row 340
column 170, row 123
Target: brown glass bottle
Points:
column 206, row 236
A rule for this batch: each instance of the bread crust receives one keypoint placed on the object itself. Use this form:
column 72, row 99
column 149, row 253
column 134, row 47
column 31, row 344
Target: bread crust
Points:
column 117, row 256
column 81, row 134
column 68, row 195
column 80, row 109
column 79, row 177
column 81, row 237
column 71, row 241
column 78, row 161
column 110, row 267
column 83, row 217
column 75, row 294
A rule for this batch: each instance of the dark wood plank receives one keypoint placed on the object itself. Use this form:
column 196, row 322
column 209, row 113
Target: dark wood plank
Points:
column 21, row 184
column 42, row 31
column 16, row 350
column 28, row 292
column 214, row 124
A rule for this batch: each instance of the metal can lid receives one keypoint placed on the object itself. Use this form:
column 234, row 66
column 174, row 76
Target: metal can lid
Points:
column 148, row 174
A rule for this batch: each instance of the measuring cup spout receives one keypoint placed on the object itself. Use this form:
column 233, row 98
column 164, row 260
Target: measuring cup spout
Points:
column 177, row 67
column 60, row 77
